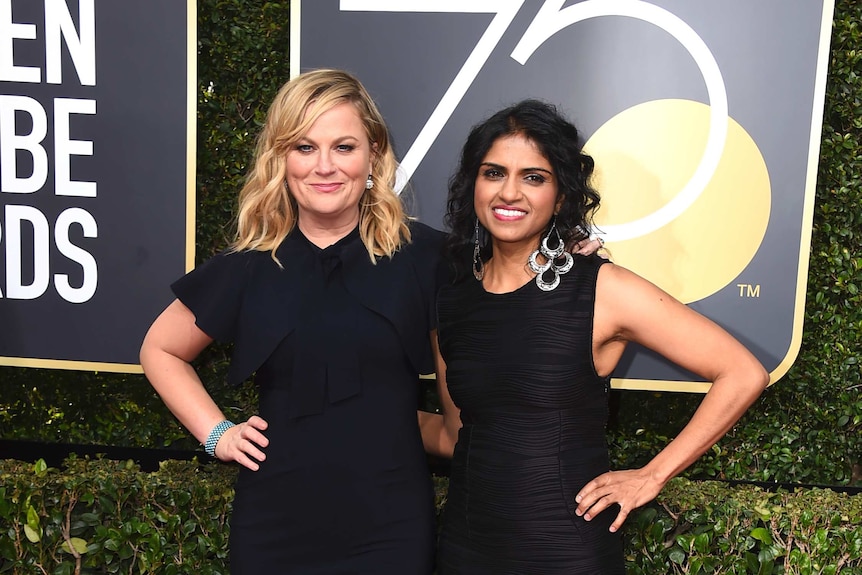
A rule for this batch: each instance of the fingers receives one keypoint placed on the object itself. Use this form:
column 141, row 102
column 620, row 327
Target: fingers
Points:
column 618, row 522
column 251, row 441
column 243, row 443
column 601, row 505
column 257, row 422
column 247, row 461
column 591, row 493
column 589, row 247
column 594, row 498
column 252, row 430
column 604, row 491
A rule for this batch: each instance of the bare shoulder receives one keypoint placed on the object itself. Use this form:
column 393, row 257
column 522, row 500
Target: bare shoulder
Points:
column 621, row 284
column 632, row 308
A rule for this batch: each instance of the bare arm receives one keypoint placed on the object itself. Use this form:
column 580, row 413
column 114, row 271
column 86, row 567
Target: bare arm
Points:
column 440, row 431
column 629, row 308
column 169, row 347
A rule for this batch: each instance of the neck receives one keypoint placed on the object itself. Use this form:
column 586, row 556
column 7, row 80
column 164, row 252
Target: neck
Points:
column 324, row 234
column 507, row 270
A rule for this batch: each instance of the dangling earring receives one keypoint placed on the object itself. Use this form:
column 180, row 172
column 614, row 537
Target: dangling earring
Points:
column 551, row 255
column 478, row 264
column 369, row 183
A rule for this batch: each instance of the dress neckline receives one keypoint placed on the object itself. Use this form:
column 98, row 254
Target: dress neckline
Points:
column 335, row 247
column 518, row 289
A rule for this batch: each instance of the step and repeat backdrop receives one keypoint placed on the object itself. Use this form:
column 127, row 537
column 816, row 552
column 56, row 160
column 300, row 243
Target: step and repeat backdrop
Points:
column 97, row 104
column 703, row 118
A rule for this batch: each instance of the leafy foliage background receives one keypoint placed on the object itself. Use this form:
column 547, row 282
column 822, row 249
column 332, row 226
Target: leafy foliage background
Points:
column 805, row 429
column 103, row 516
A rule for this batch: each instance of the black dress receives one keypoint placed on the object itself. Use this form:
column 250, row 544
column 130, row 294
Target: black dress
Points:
column 337, row 345
column 519, row 366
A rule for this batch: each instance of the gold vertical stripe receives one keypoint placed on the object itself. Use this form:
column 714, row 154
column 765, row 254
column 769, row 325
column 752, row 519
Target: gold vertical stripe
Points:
column 295, row 8
column 191, row 130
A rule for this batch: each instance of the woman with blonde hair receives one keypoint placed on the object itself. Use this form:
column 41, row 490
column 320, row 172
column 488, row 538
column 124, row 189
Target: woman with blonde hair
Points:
column 327, row 295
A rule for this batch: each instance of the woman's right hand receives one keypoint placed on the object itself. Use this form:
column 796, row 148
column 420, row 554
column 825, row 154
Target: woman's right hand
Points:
column 243, row 443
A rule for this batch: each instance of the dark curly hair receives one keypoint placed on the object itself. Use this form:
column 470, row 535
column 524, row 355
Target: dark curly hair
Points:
column 557, row 140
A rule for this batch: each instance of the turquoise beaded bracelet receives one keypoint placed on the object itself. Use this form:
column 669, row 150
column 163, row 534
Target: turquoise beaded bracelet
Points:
column 215, row 435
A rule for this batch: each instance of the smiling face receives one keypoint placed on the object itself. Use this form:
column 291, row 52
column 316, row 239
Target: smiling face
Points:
column 515, row 194
column 327, row 168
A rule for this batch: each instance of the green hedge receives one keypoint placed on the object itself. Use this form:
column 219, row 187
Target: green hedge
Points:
column 806, row 428
column 711, row 527
column 108, row 517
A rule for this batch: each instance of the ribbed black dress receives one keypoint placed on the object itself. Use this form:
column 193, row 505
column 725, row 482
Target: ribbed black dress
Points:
column 337, row 345
column 519, row 366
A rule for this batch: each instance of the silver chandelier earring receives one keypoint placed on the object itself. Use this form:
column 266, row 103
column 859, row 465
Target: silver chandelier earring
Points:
column 478, row 264
column 551, row 255
column 369, row 183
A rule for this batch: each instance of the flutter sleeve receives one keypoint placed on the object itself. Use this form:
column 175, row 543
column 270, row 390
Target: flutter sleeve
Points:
column 213, row 292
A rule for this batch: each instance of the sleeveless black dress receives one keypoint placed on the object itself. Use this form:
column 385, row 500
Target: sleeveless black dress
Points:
column 337, row 344
column 519, row 366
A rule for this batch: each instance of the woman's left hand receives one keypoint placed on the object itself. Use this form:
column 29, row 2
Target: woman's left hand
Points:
column 629, row 488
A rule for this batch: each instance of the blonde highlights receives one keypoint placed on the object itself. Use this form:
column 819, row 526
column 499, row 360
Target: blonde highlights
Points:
column 267, row 211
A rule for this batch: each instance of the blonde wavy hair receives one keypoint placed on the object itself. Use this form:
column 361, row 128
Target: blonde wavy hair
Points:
column 267, row 210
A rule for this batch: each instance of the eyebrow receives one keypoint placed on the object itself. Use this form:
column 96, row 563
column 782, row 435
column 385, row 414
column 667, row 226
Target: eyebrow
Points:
column 337, row 140
column 524, row 170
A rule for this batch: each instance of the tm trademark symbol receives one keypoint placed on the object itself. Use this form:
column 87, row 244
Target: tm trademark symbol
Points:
column 749, row 290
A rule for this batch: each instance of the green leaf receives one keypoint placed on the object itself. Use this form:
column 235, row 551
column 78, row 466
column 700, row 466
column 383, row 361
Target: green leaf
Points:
column 78, row 545
column 33, row 519
column 701, row 543
column 752, row 563
column 677, row 555
column 762, row 534
column 33, row 535
column 90, row 519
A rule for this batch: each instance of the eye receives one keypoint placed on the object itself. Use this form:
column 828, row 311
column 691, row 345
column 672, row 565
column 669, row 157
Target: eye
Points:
column 303, row 148
column 346, row 148
column 492, row 174
column 537, row 179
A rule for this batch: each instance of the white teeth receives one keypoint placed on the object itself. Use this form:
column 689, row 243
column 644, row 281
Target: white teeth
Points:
column 509, row 213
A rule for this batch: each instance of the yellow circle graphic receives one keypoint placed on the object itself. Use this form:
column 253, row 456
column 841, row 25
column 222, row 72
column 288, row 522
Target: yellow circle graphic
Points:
column 644, row 156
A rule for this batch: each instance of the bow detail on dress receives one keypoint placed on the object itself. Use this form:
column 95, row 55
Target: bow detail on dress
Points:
column 262, row 304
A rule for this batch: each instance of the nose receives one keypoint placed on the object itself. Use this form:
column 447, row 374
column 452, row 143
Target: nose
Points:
column 325, row 165
column 510, row 190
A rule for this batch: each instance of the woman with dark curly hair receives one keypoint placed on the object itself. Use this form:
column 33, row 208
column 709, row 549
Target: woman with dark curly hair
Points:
column 555, row 137
column 529, row 340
